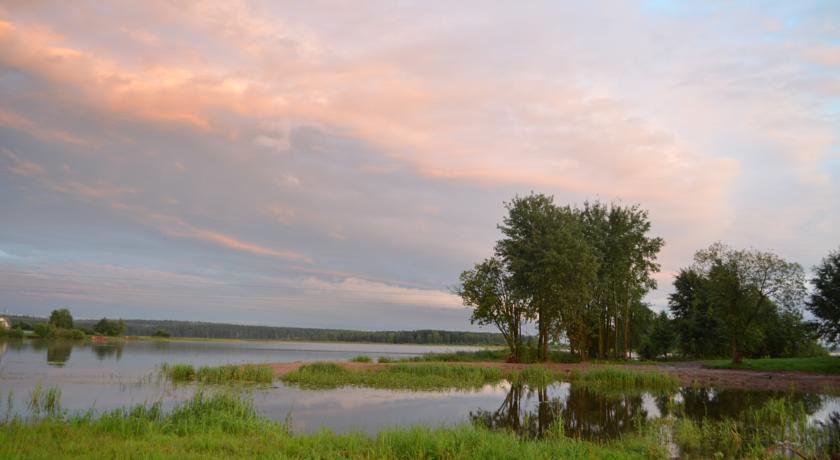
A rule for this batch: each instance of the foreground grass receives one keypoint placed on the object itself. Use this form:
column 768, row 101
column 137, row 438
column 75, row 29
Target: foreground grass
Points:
column 228, row 426
column 779, row 428
column 232, row 373
column 821, row 365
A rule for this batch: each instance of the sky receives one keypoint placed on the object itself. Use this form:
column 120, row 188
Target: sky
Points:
column 338, row 164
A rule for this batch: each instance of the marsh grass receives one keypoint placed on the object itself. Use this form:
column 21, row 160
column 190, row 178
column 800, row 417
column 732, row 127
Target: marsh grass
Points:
column 361, row 359
column 624, row 381
column 226, row 425
column 396, row 376
column 496, row 354
column 779, row 428
column 231, row 373
column 821, row 364
column 534, row 376
column 433, row 376
column 43, row 401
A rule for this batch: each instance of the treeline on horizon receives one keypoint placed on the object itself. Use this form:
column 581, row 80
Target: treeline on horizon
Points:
column 580, row 273
column 206, row 330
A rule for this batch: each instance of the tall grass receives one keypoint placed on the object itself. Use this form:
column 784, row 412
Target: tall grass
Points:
column 397, row 376
column 43, row 401
column 225, row 425
column 361, row 359
column 779, row 428
column 820, row 364
column 231, row 373
column 610, row 380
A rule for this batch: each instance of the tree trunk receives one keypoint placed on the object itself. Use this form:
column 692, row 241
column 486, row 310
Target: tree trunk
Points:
column 615, row 325
column 626, row 327
column 601, row 337
column 736, row 351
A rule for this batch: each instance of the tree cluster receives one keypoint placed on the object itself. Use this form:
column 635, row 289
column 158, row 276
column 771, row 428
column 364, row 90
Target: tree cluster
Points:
column 740, row 303
column 577, row 273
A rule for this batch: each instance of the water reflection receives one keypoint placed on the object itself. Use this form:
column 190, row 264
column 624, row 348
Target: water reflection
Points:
column 58, row 352
column 531, row 412
column 585, row 414
column 110, row 350
column 699, row 403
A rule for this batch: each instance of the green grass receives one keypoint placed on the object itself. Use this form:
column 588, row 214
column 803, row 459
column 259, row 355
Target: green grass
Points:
column 821, row 365
column 434, row 376
column 231, row 373
column 758, row 433
column 492, row 354
column 395, row 376
column 361, row 359
column 608, row 380
column 228, row 426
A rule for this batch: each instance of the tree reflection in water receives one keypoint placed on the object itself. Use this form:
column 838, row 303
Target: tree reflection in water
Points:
column 58, row 352
column 584, row 414
column 103, row 351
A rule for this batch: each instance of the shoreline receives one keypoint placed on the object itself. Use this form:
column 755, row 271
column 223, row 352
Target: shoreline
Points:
column 689, row 374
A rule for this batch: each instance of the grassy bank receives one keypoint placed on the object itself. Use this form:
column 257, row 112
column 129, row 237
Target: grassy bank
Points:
column 609, row 380
column 433, row 376
column 245, row 373
column 395, row 376
column 821, row 365
column 228, row 426
column 492, row 354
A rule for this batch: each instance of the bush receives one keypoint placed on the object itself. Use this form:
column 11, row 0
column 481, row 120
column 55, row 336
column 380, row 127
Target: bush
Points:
column 23, row 325
column 44, row 330
column 61, row 319
column 76, row 334
column 110, row 328
column 361, row 359
column 15, row 333
column 161, row 333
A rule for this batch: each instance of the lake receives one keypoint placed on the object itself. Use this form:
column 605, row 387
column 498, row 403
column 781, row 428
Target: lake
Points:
column 104, row 377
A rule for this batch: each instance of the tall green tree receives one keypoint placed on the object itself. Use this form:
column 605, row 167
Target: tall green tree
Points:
column 61, row 318
column 487, row 289
column 699, row 331
column 619, row 236
column 659, row 340
column 824, row 301
column 551, row 264
column 744, row 283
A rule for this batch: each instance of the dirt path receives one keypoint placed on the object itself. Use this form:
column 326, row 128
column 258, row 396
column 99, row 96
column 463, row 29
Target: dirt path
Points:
column 689, row 373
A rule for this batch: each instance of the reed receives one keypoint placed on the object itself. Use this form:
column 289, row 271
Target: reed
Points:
column 396, row 376
column 231, row 373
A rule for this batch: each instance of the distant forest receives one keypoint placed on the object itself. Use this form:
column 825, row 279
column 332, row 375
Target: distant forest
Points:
column 238, row 331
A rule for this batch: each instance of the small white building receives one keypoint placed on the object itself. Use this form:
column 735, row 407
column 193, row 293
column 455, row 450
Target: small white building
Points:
column 5, row 324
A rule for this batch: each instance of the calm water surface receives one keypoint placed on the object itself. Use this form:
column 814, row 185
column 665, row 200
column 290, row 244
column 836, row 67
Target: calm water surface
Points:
column 104, row 377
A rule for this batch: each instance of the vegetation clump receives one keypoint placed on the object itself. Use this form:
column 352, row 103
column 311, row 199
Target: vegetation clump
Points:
column 779, row 428
column 361, row 359
column 610, row 380
column 396, row 376
column 230, row 373
column 821, row 365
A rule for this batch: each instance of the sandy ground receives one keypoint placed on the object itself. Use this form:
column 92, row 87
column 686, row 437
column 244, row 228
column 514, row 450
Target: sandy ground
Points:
column 689, row 373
